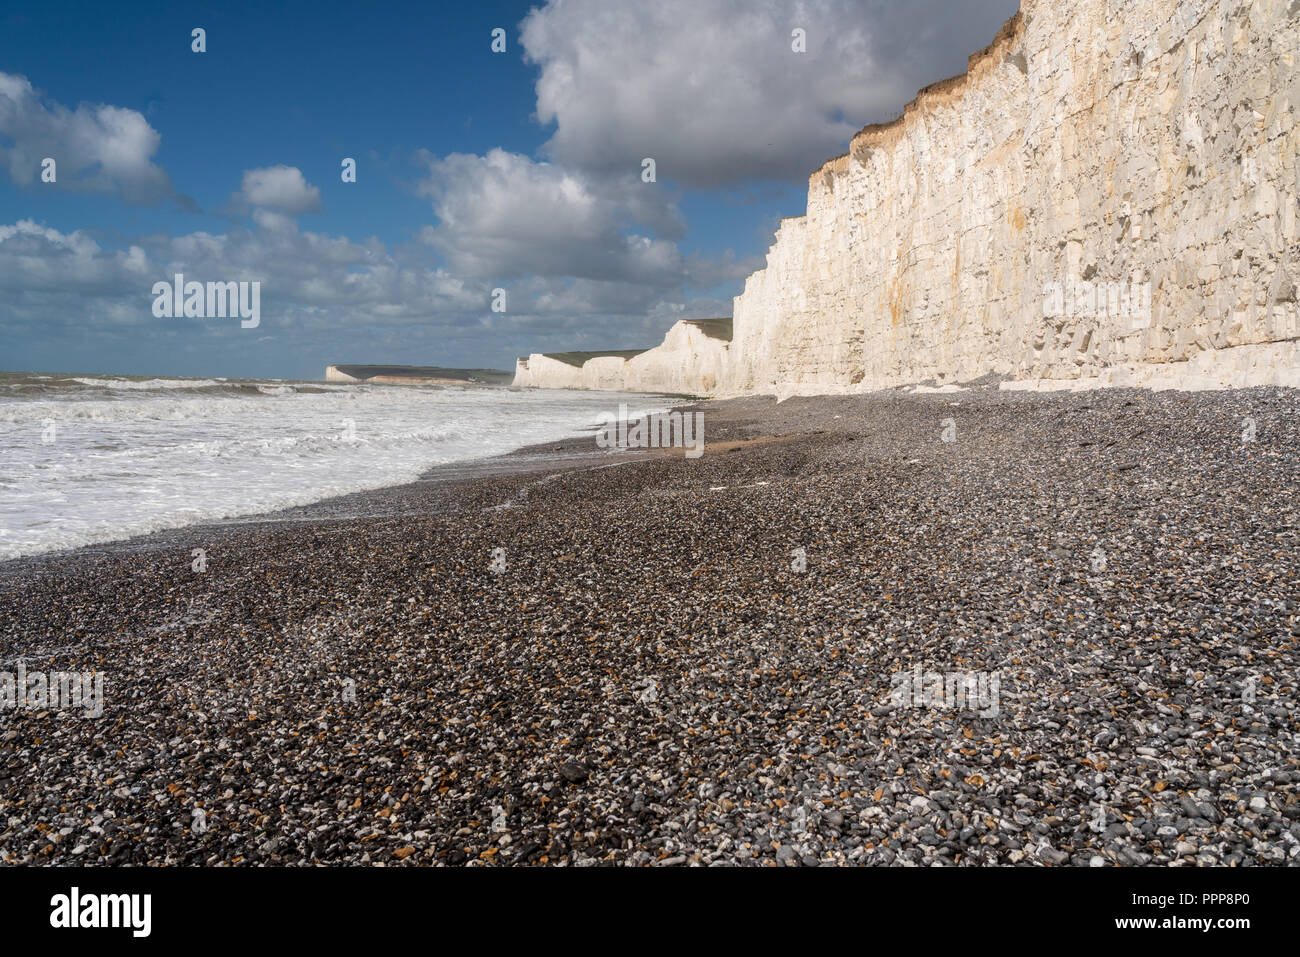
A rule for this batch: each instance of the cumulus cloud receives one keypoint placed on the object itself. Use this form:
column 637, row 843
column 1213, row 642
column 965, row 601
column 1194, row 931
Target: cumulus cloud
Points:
column 35, row 258
column 309, row 280
column 320, row 278
column 278, row 189
column 504, row 216
column 96, row 147
column 66, row 294
column 714, row 93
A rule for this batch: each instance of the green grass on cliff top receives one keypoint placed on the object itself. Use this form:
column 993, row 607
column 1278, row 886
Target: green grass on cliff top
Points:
column 493, row 376
column 578, row 358
column 713, row 328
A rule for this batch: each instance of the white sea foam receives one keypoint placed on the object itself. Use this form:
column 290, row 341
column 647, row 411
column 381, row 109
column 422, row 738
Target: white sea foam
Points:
column 143, row 385
column 130, row 459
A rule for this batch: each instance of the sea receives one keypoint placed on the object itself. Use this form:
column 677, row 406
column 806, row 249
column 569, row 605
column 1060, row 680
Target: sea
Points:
column 95, row 458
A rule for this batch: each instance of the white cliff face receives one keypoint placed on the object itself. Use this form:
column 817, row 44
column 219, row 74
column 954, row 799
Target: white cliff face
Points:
column 605, row 373
column 1095, row 147
column 542, row 372
column 688, row 361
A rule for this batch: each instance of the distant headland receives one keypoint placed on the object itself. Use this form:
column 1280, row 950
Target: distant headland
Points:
column 416, row 375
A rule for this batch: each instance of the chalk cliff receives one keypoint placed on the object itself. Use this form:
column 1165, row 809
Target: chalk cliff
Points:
column 542, row 372
column 691, row 360
column 1099, row 156
column 335, row 374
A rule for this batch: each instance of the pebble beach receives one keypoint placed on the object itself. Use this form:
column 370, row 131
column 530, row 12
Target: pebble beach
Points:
column 575, row 657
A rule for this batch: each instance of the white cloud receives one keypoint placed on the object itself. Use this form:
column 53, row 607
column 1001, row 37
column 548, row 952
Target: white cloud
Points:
column 41, row 267
column 34, row 258
column 712, row 90
column 99, row 148
column 504, row 216
column 278, row 189
column 321, row 280
column 327, row 298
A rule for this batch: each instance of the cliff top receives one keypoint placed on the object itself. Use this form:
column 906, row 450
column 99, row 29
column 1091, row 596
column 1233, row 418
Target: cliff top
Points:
column 878, row 134
column 578, row 358
column 490, row 376
column 713, row 328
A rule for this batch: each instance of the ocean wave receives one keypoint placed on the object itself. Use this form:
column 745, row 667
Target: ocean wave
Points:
column 146, row 385
column 139, row 461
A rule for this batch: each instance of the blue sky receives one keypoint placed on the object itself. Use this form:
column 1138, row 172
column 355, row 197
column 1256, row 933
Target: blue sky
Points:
column 476, row 170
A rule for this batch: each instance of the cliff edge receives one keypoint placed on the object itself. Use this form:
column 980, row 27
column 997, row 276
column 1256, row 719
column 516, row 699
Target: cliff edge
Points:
column 690, row 361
